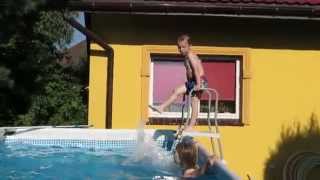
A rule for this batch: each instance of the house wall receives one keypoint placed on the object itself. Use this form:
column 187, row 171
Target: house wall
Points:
column 283, row 93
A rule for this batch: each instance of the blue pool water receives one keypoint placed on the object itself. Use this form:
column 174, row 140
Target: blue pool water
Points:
column 43, row 162
column 121, row 157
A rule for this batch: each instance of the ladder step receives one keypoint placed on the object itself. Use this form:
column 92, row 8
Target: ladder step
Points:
column 201, row 134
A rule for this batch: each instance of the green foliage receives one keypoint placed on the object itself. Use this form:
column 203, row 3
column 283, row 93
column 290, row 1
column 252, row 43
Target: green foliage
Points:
column 54, row 28
column 34, row 89
column 59, row 103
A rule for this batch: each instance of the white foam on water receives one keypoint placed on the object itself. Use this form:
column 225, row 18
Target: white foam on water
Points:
column 148, row 151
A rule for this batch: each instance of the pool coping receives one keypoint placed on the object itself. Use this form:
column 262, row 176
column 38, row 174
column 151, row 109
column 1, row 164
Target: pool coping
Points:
column 77, row 133
column 88, row 138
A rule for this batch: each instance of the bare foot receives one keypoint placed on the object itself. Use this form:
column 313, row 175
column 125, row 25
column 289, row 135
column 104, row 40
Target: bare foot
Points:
column 156, row 109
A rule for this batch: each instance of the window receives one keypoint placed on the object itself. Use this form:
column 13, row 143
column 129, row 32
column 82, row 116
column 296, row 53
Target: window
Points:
column 222, row 72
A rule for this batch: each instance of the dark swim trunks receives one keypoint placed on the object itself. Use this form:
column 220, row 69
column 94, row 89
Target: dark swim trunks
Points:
column 190, row 84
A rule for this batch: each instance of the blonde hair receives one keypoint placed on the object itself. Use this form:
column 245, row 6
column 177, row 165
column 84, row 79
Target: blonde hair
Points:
column 184, row 37
column 187, row 153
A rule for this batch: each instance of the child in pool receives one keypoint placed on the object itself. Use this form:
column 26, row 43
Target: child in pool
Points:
column 195, row 161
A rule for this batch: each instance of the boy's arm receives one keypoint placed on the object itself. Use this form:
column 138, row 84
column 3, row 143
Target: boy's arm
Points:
column 188, row 173
column 191, row 173
column 194, row 63
column 211, row 160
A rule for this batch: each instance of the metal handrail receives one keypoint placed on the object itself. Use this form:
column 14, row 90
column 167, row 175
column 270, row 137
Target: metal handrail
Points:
column 209, row 91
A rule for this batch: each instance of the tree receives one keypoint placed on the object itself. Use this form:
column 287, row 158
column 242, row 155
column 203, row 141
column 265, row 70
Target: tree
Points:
column 59, row 103
column 31, row 42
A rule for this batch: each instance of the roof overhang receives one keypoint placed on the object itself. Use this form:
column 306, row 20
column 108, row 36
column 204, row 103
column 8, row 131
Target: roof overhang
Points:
column 191, row 8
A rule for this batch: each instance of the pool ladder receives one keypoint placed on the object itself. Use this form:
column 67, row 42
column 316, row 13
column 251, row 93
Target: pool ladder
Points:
column 212, row 133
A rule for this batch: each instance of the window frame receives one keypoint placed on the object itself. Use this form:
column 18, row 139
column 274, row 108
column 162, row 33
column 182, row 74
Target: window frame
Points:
column 243, row 75
column 202, row 115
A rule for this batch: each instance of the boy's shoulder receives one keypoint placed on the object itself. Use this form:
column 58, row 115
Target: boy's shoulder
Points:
column 193, row 55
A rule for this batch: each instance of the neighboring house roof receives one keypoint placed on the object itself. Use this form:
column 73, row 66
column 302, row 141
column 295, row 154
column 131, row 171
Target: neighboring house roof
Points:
column 75, row 55
column 268, row 8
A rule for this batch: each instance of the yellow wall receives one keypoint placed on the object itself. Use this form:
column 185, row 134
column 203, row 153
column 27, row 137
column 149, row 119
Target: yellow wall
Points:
column 284, row 89
column 97, row 90
column 284, row 85
column 126, row 87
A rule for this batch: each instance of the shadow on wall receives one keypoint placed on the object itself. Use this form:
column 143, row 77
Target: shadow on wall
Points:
column 297, row 156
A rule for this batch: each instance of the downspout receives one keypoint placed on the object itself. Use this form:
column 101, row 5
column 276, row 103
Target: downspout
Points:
column 110, row 55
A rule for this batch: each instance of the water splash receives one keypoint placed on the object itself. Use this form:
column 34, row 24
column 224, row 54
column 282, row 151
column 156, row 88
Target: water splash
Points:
column 148, row 151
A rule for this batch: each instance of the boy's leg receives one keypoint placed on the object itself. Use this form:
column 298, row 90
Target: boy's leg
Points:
column 178, row 91
column 194, row 115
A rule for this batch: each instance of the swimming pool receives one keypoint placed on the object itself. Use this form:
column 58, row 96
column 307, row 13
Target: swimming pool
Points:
column 32, row 162
column 86, row 154
column 71, row 153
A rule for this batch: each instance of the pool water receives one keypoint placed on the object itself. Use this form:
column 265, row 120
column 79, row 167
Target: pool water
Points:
column 43, row 162
column 94, row 154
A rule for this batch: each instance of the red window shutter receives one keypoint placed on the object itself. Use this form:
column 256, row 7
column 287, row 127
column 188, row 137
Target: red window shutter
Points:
column 222, row 77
